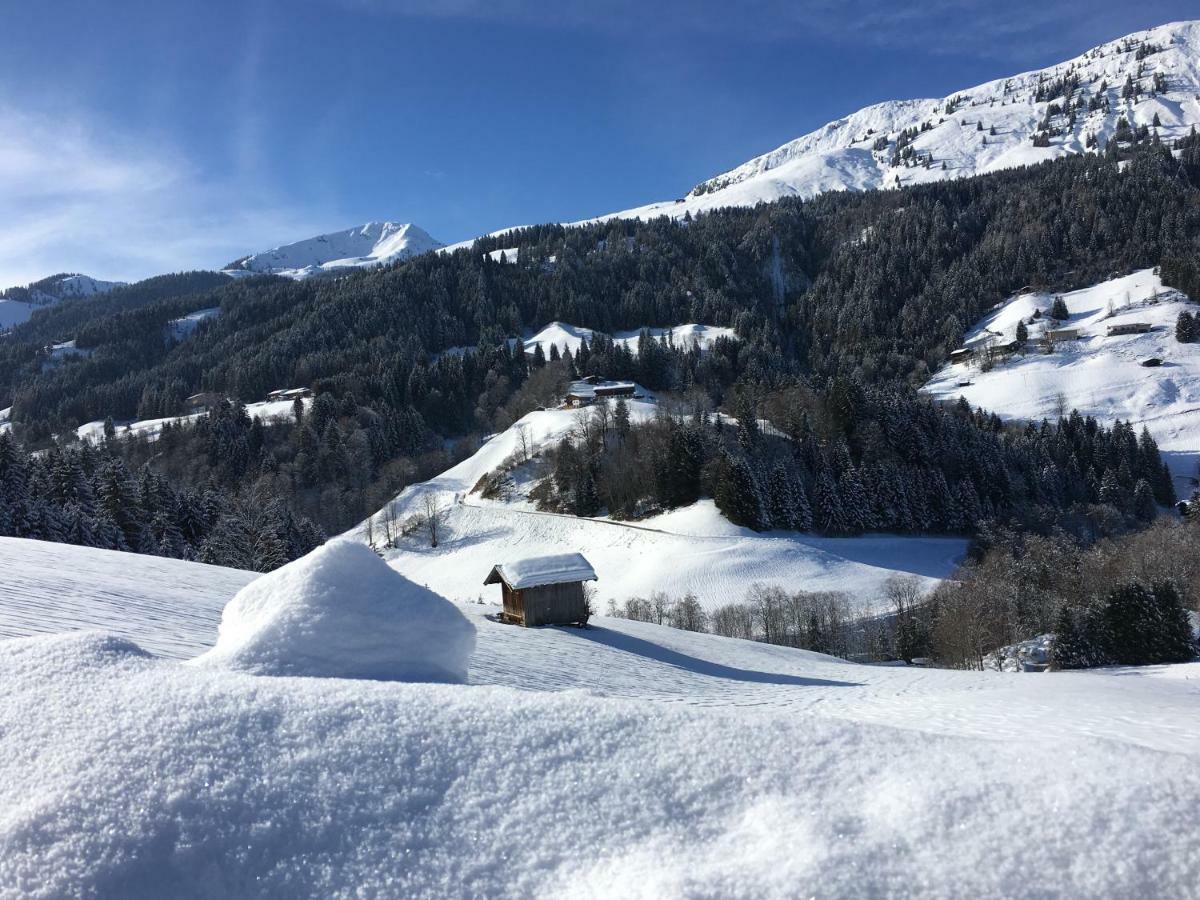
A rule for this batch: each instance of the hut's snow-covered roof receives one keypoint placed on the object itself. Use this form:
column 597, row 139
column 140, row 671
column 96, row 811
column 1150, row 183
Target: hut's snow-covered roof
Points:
column 540, row 570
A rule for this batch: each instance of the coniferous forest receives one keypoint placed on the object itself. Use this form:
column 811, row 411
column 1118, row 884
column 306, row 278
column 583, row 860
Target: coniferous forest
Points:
column 841, row 304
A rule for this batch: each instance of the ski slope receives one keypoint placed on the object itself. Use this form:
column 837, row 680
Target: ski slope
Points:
column 1099, row 375
column 633, row 760
column 687, row 550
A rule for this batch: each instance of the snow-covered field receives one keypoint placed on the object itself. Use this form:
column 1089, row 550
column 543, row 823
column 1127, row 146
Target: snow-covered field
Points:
column 622, row 760
column 694, row 549
column 1099, row 375
column 150, row 428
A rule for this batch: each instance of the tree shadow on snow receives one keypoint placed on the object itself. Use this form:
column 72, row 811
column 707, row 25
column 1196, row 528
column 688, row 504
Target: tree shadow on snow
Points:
column 629, row 644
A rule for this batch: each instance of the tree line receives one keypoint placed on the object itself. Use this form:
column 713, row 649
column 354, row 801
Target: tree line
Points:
column 88, row 496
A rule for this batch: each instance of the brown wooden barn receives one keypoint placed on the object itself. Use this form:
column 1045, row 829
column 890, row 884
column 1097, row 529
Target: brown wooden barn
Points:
column 544, row 590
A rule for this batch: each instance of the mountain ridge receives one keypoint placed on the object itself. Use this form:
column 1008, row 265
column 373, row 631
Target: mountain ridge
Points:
column 363, row 246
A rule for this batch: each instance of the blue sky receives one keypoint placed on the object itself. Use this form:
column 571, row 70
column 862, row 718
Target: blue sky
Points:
column 141, row 137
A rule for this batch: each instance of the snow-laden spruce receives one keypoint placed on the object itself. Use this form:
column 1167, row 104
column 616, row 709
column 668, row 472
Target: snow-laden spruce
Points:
column 342, row 612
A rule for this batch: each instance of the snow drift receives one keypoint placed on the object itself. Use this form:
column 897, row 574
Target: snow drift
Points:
column 127, row 776
column 342, row 612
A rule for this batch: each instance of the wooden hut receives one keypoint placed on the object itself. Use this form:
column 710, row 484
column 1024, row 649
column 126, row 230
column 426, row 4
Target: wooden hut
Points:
column 544, row 590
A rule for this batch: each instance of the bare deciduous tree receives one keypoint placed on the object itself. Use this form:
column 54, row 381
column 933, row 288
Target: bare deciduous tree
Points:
column 431, row 518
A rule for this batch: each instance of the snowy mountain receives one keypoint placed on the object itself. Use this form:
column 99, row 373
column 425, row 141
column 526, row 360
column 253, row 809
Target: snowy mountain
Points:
column 1149, row 78
column 648, row 762
column 18, row 303
column 1099, row 374
column 373, row 244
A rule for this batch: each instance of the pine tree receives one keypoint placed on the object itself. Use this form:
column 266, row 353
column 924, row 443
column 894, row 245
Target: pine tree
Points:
column 621, row 421
column 1144, row 506
column 1147, row 625
column 828, row 513
column 1058, row 310
column 782, row 498
column 1185, row 328
column 1076, row 640
column 1111, row 491
column 736, row 492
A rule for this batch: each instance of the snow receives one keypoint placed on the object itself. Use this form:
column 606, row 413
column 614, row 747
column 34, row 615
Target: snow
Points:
column 687, row 550
column 14, row 313
column 839, row 156
column 17, row 312
column 151, row 428
column 508, row 255
column 631, row 759
column 182, row 327
column 168, row 606
column 569, row 337
column 1099, row 375
column 535, row 571
column 373, row 244
column 341, row 612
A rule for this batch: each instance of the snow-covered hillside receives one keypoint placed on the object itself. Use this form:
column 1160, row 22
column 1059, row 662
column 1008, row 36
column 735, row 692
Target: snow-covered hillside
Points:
column 694, row 549
column 973, row 131
column 20, row 303
column 373, row 244
column 150, row 428
column 976, row 130
column 639, row 761
column 1098, row 374
column 564, row 336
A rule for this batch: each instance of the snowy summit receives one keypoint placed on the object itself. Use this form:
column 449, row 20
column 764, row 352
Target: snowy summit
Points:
column 1149, row 78
column 373, row 244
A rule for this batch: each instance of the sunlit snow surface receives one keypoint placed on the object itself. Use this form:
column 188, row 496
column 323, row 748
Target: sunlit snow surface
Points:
column 692, row 549
column 633, row 760
column 1099, row 375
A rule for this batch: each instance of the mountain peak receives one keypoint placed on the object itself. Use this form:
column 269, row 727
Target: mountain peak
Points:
column 372, row 244
column 1146, row 79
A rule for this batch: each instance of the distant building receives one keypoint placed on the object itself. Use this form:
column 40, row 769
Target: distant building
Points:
column 615, row 389
column 202, row 401
column 589, row 390
column 544, row 590
column 290, row 394
column 1063, row 334
column 962, row 354
column 1004, row 348
column 1129, row 328
column 580, row 394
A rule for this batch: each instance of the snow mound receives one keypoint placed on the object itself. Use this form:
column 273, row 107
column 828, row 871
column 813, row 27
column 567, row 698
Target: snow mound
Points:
column 342, row 612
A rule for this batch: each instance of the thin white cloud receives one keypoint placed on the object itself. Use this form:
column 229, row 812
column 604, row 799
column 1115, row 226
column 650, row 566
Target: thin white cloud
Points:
column 74, row 197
